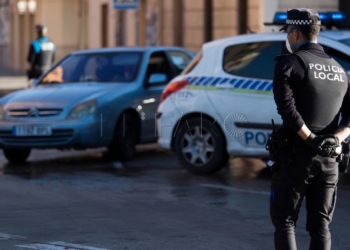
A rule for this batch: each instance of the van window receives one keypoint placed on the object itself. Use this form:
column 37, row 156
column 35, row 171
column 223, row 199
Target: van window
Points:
column 254, row 60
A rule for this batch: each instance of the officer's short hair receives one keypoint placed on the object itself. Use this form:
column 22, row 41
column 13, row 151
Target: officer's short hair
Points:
column 310, row 32
column 41, row 28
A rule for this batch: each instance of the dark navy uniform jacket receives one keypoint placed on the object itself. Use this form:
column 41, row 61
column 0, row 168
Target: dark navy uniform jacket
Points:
column 41, row 53
column 290, row 78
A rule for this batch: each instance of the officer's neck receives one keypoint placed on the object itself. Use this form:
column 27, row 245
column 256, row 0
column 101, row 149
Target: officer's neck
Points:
column 301, row 43
column 41, row 35
column 307, row 41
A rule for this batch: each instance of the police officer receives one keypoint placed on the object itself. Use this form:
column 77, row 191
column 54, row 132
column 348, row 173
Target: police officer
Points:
column 41, row 53
column 311, row 90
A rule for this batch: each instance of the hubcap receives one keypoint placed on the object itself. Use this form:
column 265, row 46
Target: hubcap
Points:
column 198, row 146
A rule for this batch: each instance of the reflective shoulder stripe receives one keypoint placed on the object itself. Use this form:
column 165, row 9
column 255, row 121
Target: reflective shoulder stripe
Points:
column 47, row 46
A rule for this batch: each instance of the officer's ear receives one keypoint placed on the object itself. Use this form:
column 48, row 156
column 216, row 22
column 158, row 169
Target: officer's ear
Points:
column 298, row 35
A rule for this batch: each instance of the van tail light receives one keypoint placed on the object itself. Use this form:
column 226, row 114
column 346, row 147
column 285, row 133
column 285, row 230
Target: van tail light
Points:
column 172, row 88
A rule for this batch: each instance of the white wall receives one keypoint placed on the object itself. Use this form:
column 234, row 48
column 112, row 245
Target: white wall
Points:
column 270, row 7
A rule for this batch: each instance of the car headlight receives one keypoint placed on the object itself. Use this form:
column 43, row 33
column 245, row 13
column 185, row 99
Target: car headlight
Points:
column 83, row 110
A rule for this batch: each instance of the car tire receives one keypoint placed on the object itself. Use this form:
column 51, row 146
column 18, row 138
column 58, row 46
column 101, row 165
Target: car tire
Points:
column 201, row 151
column 17, row 155
column 123, row 146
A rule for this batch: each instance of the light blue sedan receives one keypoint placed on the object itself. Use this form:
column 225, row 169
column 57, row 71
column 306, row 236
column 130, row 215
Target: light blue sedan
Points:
column 92, row 98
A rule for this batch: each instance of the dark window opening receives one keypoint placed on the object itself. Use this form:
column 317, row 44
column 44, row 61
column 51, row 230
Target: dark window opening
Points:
column 255, row 60
column 158, row 64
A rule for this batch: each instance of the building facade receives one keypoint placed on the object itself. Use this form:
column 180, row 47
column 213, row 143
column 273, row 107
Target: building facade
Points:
column 190, row 23
column 85, row 24
column 72, row 25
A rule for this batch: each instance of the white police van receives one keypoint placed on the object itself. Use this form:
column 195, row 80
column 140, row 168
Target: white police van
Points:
column 222, row 104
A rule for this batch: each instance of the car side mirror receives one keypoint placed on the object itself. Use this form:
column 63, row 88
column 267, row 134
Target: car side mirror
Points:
column 33, row 82
column 157, row 78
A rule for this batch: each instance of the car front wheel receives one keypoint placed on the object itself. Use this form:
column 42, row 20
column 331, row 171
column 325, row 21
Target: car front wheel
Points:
column 16, row 155
column 200, row 146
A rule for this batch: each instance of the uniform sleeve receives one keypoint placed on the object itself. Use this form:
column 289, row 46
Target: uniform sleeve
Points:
column 283, row 95
column 31, row 54
column 345, row 108
column 53, row 53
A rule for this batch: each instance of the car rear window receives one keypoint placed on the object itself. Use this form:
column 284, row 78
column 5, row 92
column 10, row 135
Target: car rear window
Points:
column 345, row 41
column 255, row 60
column 193, row 64
column 342, row 58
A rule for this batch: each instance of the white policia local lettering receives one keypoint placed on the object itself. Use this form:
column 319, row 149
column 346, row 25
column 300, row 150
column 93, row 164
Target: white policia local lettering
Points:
column 327, row 72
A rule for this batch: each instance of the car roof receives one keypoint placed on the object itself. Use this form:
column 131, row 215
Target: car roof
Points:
column 126, row 49
column 336, row 34
column 330, row 34
column 246, row 37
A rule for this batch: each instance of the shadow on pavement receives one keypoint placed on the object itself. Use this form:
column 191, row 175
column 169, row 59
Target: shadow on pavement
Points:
column 43, row 162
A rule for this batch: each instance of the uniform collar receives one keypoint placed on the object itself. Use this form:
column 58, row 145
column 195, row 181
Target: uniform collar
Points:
column 43, row 39
column 313, row 46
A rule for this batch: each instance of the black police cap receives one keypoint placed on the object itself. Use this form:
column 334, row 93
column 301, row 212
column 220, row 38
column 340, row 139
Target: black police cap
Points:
column 301, row 17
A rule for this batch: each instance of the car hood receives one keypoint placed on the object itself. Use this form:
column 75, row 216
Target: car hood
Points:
column 58, row 95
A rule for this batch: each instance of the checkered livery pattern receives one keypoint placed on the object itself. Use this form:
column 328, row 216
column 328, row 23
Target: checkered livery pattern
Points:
column 231, row 83
column 299, row 22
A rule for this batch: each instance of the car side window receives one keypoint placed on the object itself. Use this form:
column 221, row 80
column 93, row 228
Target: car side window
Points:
column 254, row 60
column 340, row 57
column 158, row 64
column 180, row 60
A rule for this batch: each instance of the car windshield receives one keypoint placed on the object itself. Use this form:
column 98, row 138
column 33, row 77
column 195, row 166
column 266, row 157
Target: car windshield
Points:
column 96, row 67
column 346, row 41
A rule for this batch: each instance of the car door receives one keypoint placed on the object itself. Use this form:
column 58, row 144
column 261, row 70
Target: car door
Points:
column 148, row 102
column 245, row 103
column 169, row 63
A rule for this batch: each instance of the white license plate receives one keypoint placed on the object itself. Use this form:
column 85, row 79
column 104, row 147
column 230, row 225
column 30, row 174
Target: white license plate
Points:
column 35, row 130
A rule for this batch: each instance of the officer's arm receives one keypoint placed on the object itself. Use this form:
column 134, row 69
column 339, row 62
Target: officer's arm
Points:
column 54, row 53
column 283, row 95
column 304, row 132
column 31, row 54
column 344, row 127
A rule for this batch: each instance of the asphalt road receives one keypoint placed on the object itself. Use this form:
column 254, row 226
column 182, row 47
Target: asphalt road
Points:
column 80, row 200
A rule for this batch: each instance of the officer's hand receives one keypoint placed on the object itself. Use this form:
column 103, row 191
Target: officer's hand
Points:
column 323, row 144
column 331, row 151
